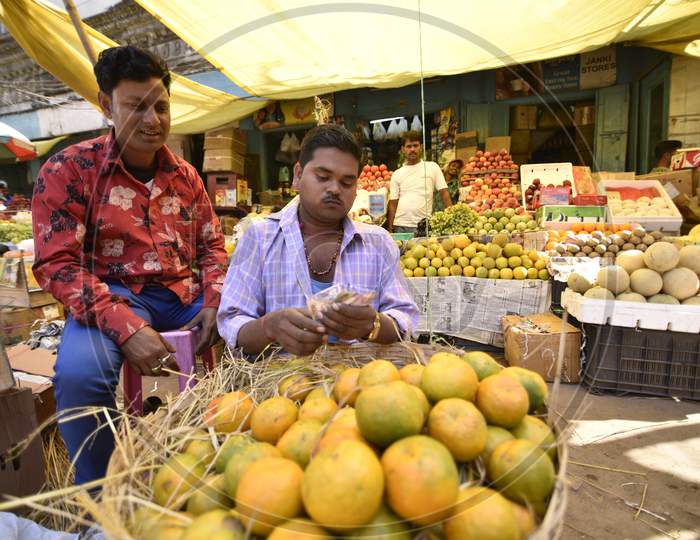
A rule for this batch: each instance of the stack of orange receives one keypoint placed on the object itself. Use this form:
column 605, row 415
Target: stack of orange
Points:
column 556, row 235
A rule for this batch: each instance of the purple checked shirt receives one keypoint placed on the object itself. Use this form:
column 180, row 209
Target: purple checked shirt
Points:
column 269, row 272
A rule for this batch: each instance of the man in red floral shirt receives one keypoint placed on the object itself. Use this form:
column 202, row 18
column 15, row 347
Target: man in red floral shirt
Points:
column 119, row 223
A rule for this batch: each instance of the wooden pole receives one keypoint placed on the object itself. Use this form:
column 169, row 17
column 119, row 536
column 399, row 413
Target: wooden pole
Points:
column 7, row 380
column 78, row 24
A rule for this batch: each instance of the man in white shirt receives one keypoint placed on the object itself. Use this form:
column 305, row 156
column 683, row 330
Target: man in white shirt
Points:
column 412, row 187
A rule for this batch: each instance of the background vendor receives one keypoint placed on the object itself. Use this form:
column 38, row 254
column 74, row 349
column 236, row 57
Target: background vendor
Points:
column 451, row 173
column 412, row 187
column 662, row 153
column 281, row 261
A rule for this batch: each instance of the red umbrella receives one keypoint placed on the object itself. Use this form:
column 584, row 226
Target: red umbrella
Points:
column 14, row 145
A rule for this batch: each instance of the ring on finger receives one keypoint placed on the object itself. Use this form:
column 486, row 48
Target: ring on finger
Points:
column 157, row 370
column 164, row 361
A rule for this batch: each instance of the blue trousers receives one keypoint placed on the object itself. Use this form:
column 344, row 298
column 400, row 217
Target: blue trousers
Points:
column 87, row 374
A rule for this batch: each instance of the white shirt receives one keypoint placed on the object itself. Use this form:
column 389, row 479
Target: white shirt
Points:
column 413, row 186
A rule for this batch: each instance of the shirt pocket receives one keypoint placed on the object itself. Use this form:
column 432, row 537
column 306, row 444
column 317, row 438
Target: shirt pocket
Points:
column 186, row 235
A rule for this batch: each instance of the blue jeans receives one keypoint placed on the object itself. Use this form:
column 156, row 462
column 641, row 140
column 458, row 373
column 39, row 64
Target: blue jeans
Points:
column 87, row 374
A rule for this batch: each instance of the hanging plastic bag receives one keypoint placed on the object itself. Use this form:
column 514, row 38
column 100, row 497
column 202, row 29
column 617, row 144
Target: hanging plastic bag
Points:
column 403, row 126
column 284, row 145
column 393, row 131
column 378, row 132
column 415, row 124
column 294, row 144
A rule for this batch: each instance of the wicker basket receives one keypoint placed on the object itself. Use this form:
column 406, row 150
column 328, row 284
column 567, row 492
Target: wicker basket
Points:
column 145, row 441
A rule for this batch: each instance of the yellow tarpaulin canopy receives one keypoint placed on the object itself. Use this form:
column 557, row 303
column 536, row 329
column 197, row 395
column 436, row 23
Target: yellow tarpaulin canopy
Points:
column 299, row 48
column 45, row 146
column 48, row 36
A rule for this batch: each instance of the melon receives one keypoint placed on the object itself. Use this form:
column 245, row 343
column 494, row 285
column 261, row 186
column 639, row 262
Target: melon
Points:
column 681, row 283
column 693, row 301
column 631, row 297
column 578, row 282
column 631, row 260
column 646, row 282
column 614, row 278
column 690, row 258
column 662, row 256
column 662, row 299
column 599, row 293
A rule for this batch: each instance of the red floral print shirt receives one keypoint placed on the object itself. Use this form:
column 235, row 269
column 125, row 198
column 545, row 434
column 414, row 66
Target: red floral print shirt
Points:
column 93, row 222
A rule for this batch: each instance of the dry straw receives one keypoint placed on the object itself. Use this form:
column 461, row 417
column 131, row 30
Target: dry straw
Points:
column 144, row 443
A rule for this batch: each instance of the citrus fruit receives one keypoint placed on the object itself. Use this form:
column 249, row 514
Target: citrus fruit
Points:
column 230, row 412
column 269, row 493
column 535, row 430
column 502, row 400
column 299, row 529
column 344, row 418
column 387, row 412
column 494, row 436
column 460, row 426
column 421, row 479
column 200, row 446
column 482, row 514
column 533, row 383
column 521, row 471
column 231, row 447
column 525, row 519
column 482, row 363
column 272, row 418
column 346, row 387
column 385, row 525
column 333, row 438
column 448, row 376
column 221, row 524
column 238, row 465
column 412, row 373
column 210, row 496
column 179, row 475
column 295, row 387
column 320, row 409
column 316, row 393
column 377, row 372
column 343, row 486
column 299, row 440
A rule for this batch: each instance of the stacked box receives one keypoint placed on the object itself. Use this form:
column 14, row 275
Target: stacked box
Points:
column 224, row 150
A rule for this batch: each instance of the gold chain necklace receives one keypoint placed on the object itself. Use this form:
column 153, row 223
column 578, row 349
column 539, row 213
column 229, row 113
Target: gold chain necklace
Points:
column 333, row 259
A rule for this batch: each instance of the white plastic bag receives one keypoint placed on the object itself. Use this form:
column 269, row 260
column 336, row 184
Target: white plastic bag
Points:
column 294, row 144
column 378, row 132
column 286, row 141
column 415, row 124
column 393, row 131
column 403, row 126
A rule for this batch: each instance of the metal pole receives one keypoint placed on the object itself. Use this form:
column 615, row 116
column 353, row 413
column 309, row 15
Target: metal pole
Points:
column 78, row 24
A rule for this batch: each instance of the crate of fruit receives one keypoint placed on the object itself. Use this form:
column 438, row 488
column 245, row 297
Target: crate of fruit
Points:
column 642, row 201
column 537, row 176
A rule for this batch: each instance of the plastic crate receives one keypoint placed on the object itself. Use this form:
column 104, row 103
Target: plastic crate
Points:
column 650, row 362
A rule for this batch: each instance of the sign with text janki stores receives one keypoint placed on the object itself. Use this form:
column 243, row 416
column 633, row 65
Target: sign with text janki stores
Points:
column 598, row 68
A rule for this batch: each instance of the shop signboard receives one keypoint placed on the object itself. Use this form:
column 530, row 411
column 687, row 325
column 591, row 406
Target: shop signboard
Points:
column 599, row 68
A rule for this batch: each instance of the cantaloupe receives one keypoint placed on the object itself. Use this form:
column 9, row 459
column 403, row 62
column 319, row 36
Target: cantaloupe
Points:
column 646, row 282
column 614, row 278
column 630, row 260
column 662, row 256
column 692, row 301
column 690, row 258
column 662, row 299
column 578, row 282
column 681, row 283
column 631, row 297
column 599, row 293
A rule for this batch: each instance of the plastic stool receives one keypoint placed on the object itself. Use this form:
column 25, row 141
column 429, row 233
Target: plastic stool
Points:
column 184, row 343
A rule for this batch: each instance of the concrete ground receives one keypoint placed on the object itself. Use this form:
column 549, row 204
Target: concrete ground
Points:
column 654, row 446
column 650, row 442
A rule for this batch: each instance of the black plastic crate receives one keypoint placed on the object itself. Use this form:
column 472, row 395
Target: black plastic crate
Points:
column 649, row 362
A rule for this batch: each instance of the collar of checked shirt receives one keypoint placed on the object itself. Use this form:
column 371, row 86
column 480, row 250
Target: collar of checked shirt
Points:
column 288, row 219
column 168, row 164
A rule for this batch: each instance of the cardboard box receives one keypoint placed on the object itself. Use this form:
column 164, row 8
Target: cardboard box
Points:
column 532, row 342
column 465, row 153
column 553, row 119
column 496, row 144
column 606, row 175
column 18, row 287
column 219, row 153
column 34, row 369
column 520, row 141
column 561, row 217
column 225, row 143
column 21, row 473
column 235, row 163
column 230, row 132
column 523, row 117
column 220, row 181
column 520, row 159
column 686, row 158
column 16, row 324
column 682, row 180
column 584, row 115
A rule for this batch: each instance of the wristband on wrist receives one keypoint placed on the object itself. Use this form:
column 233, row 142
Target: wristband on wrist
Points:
column 376, row 327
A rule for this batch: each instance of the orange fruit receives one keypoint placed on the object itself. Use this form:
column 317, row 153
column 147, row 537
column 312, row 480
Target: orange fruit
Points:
column 333, row 438
column 502, row 400
column 238, row 464
column 299, row 529
column 344, row 418
column 412, row 374
column 320, row 409
column 446, row 376
column 460, row 426
column 300, row 440
column 525, row 519
column 377, row 372
column 346, row 387
column 535, row 430
column 421, row 479
column 230, row 412
column 343, row 486
column 482, row 514
column 295, row 387
column 269, row 493
column 272, row 418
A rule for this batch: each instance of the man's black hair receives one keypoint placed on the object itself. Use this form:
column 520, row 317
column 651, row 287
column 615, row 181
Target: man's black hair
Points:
column 666, row 146
column 328, row 136
column 411, row 136
column 131, row 63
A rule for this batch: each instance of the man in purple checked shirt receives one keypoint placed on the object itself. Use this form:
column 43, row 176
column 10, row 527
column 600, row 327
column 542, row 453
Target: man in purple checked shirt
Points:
column 281, row 261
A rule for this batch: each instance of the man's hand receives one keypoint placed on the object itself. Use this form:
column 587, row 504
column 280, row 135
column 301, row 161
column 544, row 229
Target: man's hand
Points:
column 294, row 330
column 208, row 334
column 346, row 321
column 144, row 350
